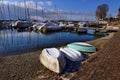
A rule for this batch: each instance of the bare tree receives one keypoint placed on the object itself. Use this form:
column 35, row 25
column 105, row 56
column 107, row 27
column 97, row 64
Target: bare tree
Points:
column 101, row 11
column 118, row 12
column 118, row 15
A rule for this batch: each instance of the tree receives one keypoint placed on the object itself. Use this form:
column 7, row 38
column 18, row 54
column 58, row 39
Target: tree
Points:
column 101, row 11
column 119, row 10
column 118, row 15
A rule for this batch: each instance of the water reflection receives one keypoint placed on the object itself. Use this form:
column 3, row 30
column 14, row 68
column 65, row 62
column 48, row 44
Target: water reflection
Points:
column 14, row 42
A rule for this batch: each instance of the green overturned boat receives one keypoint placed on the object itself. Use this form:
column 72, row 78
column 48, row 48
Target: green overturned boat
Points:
column 84, row 47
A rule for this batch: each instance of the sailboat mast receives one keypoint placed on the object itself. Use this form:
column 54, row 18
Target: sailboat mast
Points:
column 36, row 12
column 43, row 14
column 9, row 12
column 56, row 12
column 25, row 9
column 18, row 11
column 28, row 14
column 3, row 9
column 14, row 10
column 2, row 16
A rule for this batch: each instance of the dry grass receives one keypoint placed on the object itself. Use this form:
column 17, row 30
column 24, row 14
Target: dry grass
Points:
column 105, row 65
column 116, row 23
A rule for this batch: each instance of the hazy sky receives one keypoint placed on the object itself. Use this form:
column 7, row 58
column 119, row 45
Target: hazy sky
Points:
column 82, row 6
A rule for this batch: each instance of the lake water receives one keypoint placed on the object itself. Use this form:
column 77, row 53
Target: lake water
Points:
column 13, row 42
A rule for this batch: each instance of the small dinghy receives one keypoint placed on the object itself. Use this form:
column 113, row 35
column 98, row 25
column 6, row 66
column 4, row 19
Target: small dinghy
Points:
column 53, row 59
column 72, row 54
column 84, row 47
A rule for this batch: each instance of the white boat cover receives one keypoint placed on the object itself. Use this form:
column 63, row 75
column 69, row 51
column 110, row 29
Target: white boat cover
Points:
column 52, row 25
column 38, row 25
column 53, row 59
column 72, row 54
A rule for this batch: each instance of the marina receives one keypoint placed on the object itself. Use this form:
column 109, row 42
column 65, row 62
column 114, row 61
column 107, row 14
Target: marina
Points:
column 15, row 42
column 49, row 40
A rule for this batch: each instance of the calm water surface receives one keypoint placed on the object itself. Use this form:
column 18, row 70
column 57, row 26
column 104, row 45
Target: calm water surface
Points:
column 14, row 42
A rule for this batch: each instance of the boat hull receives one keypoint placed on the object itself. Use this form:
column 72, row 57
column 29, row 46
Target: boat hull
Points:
column 44, row 30
column 82, row 48
column 55, row 64
column 72, row 54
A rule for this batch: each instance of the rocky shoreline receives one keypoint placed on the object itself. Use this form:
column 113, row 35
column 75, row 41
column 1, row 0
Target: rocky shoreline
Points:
column 28, row 67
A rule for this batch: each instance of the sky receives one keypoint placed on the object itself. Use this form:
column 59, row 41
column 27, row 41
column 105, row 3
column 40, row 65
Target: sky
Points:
column 86, row 8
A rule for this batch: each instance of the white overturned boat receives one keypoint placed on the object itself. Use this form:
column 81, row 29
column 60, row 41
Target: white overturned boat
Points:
column 53, row 59
column 72, row 54
column 84, row 47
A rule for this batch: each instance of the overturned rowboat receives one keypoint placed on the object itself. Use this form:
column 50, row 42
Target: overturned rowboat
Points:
column 84, row 47
column 72, row 54
column 53, row 59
